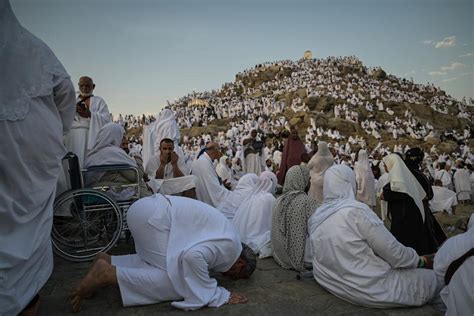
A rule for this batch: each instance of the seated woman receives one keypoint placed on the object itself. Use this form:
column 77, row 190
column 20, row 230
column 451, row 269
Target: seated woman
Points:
column 412, row 222
column 107, row 151
column 253, row 218
column 356, row 258
column 290, row 220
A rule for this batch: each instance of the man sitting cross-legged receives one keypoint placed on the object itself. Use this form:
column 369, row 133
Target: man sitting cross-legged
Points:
column 177, row 240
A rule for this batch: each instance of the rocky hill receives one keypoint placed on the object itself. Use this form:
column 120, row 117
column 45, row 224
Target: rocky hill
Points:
column 319, row 85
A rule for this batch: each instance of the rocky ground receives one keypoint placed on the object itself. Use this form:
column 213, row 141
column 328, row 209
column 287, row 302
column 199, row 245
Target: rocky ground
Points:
column 271, row 291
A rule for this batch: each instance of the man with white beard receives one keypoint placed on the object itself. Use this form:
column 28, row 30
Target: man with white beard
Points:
column 92, row 114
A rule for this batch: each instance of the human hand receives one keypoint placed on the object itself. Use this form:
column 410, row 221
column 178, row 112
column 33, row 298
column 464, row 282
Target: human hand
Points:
column 164, row 158
column 381, row 196
column 174, row 158
column 236, row 298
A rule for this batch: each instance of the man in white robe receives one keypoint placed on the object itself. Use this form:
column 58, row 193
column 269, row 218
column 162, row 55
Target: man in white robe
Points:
column 168, row 171
column 443, row 175
column 178, row 241
column 92, row 114
column 356, row 258
column 36, row 110
column 443, row 199
column 462, row 183
column 458, row 293
column 253, row 161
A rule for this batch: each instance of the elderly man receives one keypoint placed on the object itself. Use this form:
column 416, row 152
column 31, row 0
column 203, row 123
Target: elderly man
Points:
column 92, row 114
column 177, row 240
column 36, row 109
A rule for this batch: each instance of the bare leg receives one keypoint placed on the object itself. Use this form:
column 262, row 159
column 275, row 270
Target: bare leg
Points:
column 100, row 274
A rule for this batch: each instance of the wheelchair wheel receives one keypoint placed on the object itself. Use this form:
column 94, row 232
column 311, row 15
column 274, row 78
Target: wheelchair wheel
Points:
column 85, row 223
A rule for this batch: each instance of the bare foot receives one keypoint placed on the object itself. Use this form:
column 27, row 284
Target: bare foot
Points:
column 100, row 274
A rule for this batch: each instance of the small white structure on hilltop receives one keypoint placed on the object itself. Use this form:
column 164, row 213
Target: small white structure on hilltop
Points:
column 199, row 102
column 308, row 54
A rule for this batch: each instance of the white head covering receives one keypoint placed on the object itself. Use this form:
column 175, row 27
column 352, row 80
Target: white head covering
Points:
column 106, row 150
column 339, row 192
column 28, row 67
column 363, row 159
column 272, row 181
column 223, row 170
column 402, row 180
column 165, row 127
column 322, row 160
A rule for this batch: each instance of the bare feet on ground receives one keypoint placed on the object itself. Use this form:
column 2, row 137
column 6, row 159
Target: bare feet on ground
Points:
column 99, row 275
column 236, row 298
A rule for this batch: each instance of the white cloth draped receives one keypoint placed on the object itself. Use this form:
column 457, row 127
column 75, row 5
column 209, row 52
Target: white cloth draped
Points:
column 462, row 184
column 223, row 171
column 318, row 165
column 200, row 239
column 443, row 200
column 165, row 126
column 253, row 218
column 83, row 134
column 36, row 109
column 458, row 295
column 364, row 179
column 402, row 180
column 348, row 239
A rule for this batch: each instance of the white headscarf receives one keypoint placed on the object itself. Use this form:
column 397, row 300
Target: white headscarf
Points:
column 222, row 170
column 268, row 175
column 322, row 160
column 339, row 192
column 28, row 67
column 165, row 127
column 402, row 180
column 106, row 150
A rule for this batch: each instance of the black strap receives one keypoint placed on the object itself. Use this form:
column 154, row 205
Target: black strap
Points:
column 82, row 100
column 454, row 266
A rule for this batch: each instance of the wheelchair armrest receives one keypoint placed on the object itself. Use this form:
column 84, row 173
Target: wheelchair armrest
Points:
column 110, row 168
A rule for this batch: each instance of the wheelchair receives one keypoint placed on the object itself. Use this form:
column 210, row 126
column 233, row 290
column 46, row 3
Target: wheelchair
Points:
column 89, row 220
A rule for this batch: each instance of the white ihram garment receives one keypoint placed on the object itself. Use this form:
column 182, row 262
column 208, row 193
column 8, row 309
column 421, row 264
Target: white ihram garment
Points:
column 365, row 180
column 178, row 240
column 36, row 109
column 253, row 219
column 356, row 258
column 83, row 134
column 462, row 184
column 458, row 295
column 443, row 200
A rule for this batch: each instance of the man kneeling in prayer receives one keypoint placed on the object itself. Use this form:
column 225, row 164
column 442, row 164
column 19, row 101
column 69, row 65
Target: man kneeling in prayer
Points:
column 177, row 240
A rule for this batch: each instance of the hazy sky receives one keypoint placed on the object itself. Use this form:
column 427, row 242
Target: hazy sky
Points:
column 142, row 53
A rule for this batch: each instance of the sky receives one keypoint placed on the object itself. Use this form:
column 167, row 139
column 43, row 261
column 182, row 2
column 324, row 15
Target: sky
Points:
column 142, row 53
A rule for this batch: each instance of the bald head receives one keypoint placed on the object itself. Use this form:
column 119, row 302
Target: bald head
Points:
column 86, row 86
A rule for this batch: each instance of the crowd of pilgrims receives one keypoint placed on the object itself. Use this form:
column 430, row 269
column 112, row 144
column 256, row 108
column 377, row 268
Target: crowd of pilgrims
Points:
column 291, row 201
column 215, row 202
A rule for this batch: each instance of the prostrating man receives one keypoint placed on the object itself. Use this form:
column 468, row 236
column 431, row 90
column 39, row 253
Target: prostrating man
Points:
column 177, row 240
column 357, row 259
column 36, row 110
column 168, row 172
column 92, row 114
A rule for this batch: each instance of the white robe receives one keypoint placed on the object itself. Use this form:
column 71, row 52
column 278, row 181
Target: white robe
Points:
column 443, row 200
column 458, row 295
column 462, row 184
column 444, row 176
column 356, row 258
column 365, row 181
column 82, row 136
column 253, row 219
column 208, row 188
column 178, row 240
column 29, row 169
